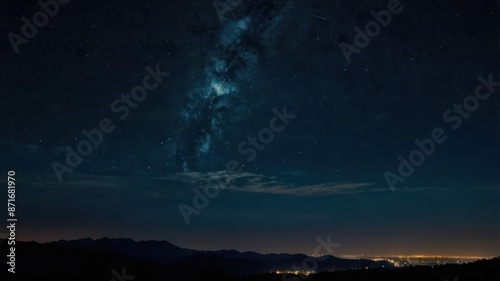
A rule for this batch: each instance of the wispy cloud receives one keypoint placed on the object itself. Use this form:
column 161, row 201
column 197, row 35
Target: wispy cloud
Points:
column 180, row 184
column 304, row 190
column 255, row 183
column 407, row 189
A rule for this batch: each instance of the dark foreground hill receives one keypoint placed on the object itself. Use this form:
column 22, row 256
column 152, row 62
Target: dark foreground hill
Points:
column 125, row 259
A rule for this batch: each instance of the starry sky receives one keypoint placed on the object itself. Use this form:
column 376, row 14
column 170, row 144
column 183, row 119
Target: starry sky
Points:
column 221, row 83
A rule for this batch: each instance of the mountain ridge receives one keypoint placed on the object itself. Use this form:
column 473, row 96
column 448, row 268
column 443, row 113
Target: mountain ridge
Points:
column 232, row 261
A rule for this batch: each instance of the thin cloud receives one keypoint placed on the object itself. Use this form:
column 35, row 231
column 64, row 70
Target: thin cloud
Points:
column 304, row 190
column 255, row 183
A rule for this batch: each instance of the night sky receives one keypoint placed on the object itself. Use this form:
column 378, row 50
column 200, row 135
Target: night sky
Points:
column 260, row 108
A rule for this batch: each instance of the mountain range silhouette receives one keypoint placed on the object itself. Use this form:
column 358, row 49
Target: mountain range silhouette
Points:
column 89, row 259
